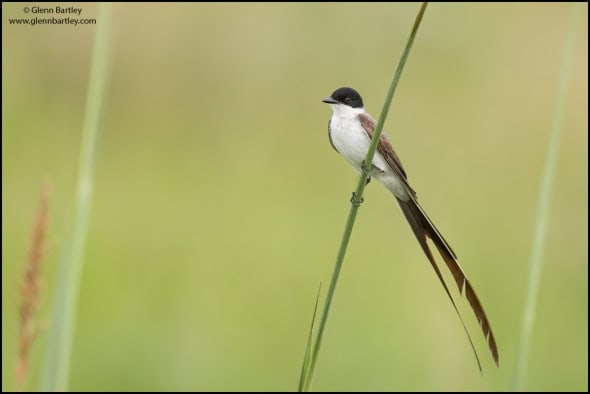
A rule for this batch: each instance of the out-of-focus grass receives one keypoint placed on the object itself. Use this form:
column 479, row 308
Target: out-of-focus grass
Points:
column 30, row 290
column 203, row 248
column 56, row 370
column 543, row 212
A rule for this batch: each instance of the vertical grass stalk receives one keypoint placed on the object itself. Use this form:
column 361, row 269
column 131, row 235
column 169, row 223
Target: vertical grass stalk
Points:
column 63, row 317
column 543, row 205
column 308, row 377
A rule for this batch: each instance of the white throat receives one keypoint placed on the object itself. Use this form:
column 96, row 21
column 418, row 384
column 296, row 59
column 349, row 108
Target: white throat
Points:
column 346, row 111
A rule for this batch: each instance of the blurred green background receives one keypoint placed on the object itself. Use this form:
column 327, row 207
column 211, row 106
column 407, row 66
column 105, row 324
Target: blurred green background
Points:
column 219, row 203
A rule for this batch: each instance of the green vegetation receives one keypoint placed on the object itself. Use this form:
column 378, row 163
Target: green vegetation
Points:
column 218, row 202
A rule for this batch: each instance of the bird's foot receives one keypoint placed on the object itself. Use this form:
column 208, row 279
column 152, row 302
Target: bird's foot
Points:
column 364, row 167
column 356, row 202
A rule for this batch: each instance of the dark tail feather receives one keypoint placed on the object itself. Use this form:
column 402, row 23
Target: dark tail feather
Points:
column 423, row 227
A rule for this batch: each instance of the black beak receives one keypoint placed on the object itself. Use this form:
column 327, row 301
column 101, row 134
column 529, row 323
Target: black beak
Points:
column 329, row 100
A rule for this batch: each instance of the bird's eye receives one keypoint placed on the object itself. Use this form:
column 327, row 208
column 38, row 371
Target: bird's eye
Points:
column 347, row 100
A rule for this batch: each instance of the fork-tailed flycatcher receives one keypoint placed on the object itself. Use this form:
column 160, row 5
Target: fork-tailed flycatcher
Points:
column 350, row 130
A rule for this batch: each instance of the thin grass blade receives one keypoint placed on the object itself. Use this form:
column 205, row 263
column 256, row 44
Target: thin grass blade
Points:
column 309, row 345
column 543, row 205
column 61, row 332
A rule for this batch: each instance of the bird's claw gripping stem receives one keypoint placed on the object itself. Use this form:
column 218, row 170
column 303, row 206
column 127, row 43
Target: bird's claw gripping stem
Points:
column 355, row 202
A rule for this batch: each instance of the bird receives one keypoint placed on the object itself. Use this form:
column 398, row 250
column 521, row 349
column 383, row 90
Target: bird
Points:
column 350, row 130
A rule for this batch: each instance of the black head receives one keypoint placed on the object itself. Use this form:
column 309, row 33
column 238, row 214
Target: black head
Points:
column 346, row 96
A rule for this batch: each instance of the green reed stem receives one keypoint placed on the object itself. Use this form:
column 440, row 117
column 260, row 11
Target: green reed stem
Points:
column 357, row 200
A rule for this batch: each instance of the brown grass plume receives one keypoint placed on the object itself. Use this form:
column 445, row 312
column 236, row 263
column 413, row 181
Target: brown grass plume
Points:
column 30, row 288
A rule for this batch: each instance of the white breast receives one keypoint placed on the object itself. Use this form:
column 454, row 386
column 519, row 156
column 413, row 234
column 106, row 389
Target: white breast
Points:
column 349, row 139
column 352, row 141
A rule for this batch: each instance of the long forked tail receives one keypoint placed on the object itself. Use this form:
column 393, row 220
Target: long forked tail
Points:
column 423, row 227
